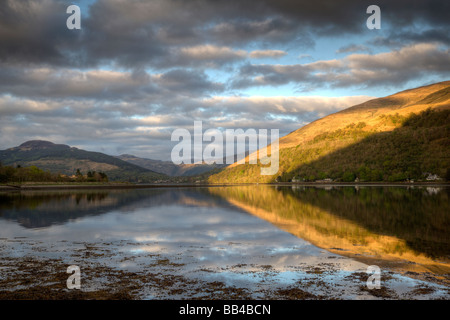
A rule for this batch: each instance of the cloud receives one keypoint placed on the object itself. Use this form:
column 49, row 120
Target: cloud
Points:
column 397, row 39
column 63, row 83
column 77, row 123
column 266, row 30
column 148, row 33
column 207, row 55
column 187, row 82
column 353, row 48
column 46, row 82
column 388, row 68
column 258, row 108
column 396, row 67
column 260, row 54
column 305, row 56
column 32, row 32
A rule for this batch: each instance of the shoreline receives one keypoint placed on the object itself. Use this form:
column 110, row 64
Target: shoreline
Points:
column 26, row 187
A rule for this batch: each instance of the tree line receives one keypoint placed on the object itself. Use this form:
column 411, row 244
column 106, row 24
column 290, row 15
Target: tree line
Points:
column 19, row 174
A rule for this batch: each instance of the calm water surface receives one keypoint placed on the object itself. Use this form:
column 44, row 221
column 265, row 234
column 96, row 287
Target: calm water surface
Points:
column 221, row 228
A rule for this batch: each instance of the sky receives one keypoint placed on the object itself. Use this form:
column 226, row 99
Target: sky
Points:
column 137, row 70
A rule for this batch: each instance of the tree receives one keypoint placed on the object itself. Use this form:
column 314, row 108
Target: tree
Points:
column 79, row 175
column 322, row 175
column 348, row 176
column 103, row 176
column 364, row 173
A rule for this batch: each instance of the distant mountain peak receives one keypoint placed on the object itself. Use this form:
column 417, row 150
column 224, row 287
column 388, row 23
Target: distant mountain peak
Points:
column 39, row 144
column 126, row 155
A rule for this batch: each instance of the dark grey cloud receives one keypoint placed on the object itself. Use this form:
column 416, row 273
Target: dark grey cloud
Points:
column 35, row 32
column 62, row 83
column 57, row 83
column 407, row 36
column 266, row 31
column 188, row 82
column 153, row 33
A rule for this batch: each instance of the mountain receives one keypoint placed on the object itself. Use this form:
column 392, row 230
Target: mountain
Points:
column 60, row 158
column 164, row 167
column 402, row 136
column 169, row 168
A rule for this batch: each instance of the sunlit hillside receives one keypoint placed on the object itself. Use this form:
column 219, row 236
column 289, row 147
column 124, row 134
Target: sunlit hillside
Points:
column 387, row 139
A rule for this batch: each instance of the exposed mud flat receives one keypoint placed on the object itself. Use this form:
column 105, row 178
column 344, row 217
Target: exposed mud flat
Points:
column 31, row 269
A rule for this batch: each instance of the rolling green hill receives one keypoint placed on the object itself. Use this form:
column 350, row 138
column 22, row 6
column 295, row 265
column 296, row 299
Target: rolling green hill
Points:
column 63, row 159
column 395, row 138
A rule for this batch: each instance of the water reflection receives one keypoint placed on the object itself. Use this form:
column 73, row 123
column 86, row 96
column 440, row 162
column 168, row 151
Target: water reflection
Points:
column 387, row 223
column 202, row 228
column 390, row 224
column 39, row 209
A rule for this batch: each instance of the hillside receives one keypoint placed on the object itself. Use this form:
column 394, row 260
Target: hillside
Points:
column 387, row 139
column 63, row 159
column 168, row 167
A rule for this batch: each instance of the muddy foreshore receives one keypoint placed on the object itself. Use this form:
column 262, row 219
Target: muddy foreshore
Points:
column 32, row 271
